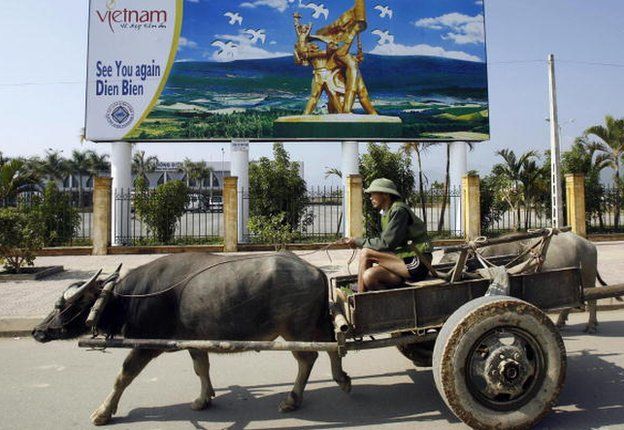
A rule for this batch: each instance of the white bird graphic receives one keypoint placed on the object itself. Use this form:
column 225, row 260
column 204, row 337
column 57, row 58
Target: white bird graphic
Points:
column 227, row 49
column 319, row 9
column 234, row 18
column 256, row 35
column 384, row 36
column 383, row 11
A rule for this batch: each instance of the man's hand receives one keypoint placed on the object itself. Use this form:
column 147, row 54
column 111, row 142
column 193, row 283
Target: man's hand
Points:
column 350, row 241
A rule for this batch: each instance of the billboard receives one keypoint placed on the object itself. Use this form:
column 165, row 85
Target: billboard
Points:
column 217, row 70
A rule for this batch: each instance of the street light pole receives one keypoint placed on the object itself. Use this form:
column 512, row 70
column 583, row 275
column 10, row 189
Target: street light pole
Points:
column 555, row 150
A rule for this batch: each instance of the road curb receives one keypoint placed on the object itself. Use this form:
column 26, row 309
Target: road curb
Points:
column 19, row 326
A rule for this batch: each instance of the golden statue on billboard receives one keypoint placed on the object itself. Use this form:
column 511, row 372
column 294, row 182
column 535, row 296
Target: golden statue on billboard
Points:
column 336, row 71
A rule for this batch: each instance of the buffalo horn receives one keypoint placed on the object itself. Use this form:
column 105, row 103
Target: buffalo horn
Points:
column 75, row 294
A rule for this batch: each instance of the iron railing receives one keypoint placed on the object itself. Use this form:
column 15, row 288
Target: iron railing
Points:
column 201, row 222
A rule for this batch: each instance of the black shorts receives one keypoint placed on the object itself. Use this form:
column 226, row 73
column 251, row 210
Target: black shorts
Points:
column 417, row 270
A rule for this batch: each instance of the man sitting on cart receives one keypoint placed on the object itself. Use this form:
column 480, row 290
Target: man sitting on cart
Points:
column 395, row 260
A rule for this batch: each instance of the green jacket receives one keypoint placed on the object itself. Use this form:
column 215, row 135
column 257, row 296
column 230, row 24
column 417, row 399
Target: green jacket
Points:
column 398, row 226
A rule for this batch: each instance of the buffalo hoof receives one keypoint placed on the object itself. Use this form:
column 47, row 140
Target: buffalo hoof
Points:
column 291, row 403
column 591, row 329
column 345, row 384
column 101, row 416
column 200, row 404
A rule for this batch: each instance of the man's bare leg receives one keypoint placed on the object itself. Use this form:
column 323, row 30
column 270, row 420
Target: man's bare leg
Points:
column 379, row 278
column 393, row 264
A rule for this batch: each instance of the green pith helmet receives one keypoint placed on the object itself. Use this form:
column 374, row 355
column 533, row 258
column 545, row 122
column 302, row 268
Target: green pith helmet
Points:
column 383, row 185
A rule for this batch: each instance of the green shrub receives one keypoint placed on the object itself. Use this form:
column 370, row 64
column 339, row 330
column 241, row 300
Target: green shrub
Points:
column 20, row 239
column 275, row 187
column 162, row 208
column 273, row 229
column 59, row 221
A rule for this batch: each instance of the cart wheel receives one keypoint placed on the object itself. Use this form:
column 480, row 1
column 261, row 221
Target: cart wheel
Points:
column 421, row 354
column 499, row 362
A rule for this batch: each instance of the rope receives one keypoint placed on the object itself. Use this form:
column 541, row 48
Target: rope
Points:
column 204, row 269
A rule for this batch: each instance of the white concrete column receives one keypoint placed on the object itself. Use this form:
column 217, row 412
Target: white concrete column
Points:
column 457, row 169
column 350, row 166
column 121, row 172
column 239, row 153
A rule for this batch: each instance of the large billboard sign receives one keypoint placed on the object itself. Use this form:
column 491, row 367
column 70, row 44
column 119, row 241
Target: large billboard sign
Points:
column 203, row 70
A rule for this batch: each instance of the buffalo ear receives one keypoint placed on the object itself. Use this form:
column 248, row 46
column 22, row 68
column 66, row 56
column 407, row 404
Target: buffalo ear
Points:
column 71, row 295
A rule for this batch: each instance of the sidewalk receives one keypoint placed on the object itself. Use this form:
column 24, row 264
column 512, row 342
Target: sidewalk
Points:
column 25, row 303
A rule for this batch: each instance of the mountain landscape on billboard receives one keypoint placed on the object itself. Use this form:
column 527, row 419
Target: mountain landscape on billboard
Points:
column 435, row 97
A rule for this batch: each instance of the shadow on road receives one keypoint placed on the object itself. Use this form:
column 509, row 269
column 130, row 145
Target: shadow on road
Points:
column 324, row 408
column 605, row 329
column 592, row 396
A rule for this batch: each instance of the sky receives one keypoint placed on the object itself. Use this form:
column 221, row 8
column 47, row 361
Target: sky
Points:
column 448, row 28
column 43, row 67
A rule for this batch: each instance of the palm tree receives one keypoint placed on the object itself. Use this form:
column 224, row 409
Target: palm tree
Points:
column 447, row 182
column 97, row 163
column 142, row 165
column 189, row 168
column 419, row 148
column 53, row 165
column 511, row 172
column 79, row 163
column 611, row 144
column 12, row 177
column 334, row 171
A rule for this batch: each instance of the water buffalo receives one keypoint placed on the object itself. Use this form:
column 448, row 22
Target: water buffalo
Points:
column 565, row 250
column 205, row 296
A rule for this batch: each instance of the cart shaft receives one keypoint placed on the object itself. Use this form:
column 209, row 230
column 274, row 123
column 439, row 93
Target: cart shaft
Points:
column 603, row 292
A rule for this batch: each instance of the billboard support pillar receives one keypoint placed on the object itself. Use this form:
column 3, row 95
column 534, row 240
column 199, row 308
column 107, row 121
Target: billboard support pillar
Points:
column 239, row 153
column 350, row 166
column 121, row 172
column 458, row 167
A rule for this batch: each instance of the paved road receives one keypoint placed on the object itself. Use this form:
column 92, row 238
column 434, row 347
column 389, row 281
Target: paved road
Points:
column 55, row 386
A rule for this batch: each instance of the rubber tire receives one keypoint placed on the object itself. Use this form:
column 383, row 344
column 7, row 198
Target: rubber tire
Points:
column 465, row 326
column 421, row 354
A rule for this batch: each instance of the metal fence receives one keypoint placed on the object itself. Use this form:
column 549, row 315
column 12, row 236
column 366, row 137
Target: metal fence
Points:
column 67, row 220
column 440, row 214
column 201, row 223
column 605, row 210
column 525, row 218
column 317, row 217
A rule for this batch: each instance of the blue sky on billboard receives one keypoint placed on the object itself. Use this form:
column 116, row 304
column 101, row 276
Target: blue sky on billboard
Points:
column 447, row 28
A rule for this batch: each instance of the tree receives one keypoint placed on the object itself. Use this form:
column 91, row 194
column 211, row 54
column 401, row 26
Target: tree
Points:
column 189, row 168
column 611, row 143
column 381, row 162
column 162, row 208
column 97, row 163
column 58, row 219
column 583, row 157
column 20, row 239
column 12, row 178
column 509, row 176
column 142, row 165
column 53, row 165
column 79, row 164
column 419, row 148
column 275, row 186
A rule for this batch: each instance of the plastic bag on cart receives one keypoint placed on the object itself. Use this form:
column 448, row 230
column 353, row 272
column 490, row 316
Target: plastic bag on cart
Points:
column 500, row 280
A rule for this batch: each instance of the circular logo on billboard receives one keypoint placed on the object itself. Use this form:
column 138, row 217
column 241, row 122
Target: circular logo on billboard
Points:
column 120, row 114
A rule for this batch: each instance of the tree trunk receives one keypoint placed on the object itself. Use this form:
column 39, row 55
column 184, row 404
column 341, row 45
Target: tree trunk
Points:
column 421, row 189
column 447, row 180
column 618, row 194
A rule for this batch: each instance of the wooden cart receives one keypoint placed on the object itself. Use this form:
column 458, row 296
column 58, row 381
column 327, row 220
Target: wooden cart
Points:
column 498, row 360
